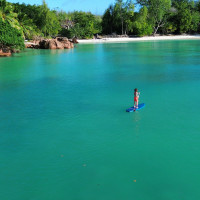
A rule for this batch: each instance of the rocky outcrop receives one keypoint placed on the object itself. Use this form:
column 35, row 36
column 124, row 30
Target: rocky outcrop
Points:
column 31, row 45
column 40, row 43
column 5, row 52
column 74, row 40
column 57, row 43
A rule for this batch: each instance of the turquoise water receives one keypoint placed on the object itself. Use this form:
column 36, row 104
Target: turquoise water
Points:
column 64, row 132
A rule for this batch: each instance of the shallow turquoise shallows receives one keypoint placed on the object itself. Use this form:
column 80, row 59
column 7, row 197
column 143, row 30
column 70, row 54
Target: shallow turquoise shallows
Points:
column 65, row 133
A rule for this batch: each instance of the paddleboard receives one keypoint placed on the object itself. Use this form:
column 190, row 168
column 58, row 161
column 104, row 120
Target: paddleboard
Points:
column 132, row 109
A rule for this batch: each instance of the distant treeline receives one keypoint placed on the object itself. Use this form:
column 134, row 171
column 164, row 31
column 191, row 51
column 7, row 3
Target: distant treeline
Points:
column 22, row 21
column 154, row 16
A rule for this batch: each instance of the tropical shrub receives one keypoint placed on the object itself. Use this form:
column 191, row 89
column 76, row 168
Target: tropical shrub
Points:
column 10, row 36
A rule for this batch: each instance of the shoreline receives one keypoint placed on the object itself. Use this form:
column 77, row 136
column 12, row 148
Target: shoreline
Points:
column 146, row 38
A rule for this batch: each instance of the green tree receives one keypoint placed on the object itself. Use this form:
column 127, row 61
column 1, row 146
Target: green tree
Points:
column 48, row 22
column 10, row 37
column 194, row 26
column 141, row 26
column 97, row 24
column 43, row 16
column 118, row 18
column 7, row 14
column 158, row 11
column 170, row 25
column 128, row 15
column 183, row 18
column 85, row 25
column 119, row 15
column 31, row 11
column 107, row 20
column 53, row 26
column 29, row 29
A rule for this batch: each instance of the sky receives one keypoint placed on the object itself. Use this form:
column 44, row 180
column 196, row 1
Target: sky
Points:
column 96, row 7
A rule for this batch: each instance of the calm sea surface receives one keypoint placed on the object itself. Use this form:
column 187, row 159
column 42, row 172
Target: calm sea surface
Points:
column 65, row 135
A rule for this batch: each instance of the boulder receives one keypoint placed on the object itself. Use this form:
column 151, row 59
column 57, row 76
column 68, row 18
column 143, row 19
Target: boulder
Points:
column 4, row 52
column 51, row 44
column 58, row 43
column 43, row 44
column 74, row 40
column 61, row 39
column 32, row 45
column 67, row 44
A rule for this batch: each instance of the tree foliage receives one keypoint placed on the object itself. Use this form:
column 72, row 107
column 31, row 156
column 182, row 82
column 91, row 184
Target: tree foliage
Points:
column 48, row 22
column 84, row 25
column 108, row 20
column 118, row 18
column 10, row 36
column 8, row 15
column 158, row 12
column 154, row 16
column 141, row 26
column 186, row 17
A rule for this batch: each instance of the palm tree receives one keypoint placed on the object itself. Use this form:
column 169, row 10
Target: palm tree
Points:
column 7, row 15
column 27, row 26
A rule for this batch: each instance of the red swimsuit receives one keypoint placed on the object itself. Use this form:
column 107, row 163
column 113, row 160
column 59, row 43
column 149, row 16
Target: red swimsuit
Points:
column 135, row 96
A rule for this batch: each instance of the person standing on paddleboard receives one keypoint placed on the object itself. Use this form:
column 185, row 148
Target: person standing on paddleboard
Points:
column 136, row 98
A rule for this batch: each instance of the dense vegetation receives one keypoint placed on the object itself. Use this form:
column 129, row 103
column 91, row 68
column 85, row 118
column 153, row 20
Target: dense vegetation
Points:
column 80, row 24
column 10, row 36
column 154, row 16
column 22, row 21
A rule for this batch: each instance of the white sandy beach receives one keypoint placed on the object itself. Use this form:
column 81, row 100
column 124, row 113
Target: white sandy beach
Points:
column 130, row 39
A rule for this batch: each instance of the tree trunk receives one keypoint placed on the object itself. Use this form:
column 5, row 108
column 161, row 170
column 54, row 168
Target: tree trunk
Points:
column 155, row 30
column 159, row 24
column 122, row 27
